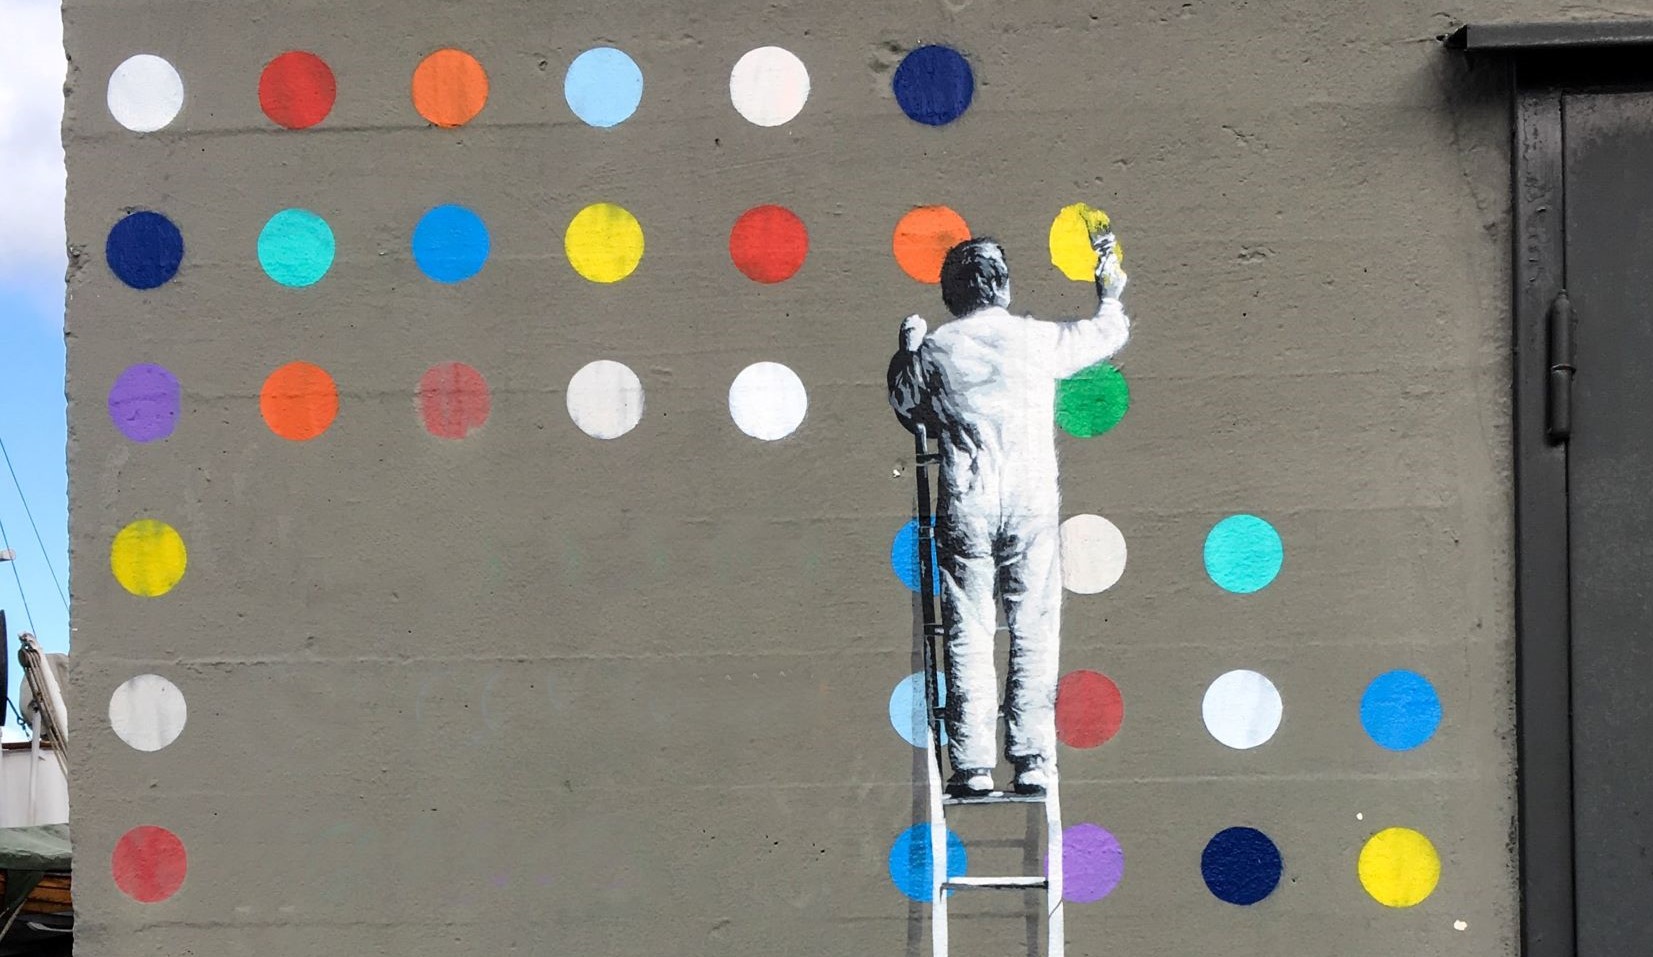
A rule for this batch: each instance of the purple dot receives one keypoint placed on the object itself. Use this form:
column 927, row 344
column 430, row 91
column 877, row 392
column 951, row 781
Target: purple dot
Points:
column 143, row 403
column 1092, row 863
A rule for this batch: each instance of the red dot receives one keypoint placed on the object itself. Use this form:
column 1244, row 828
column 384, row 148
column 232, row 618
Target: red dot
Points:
column 1089, row 709
column 297, row 89
column 149, row 864
column 768, row 243
column 453, row 400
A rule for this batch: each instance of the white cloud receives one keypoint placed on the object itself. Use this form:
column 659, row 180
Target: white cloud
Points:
column 32, row 68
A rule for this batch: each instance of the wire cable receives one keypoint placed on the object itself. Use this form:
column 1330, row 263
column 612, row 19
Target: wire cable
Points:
column 44, row 554
column 5, row 544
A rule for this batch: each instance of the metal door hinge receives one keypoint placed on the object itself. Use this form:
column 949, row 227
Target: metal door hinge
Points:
column 1559, row 424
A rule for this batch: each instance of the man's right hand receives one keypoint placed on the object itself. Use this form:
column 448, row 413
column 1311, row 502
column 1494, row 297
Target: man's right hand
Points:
column 913, row 329
column 1110, row 273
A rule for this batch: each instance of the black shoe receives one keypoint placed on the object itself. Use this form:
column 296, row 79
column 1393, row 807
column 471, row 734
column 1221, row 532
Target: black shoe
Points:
column 970, row 782
column 1034, row 779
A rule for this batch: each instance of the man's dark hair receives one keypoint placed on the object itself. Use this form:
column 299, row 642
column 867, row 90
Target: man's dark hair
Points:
column 974, row 276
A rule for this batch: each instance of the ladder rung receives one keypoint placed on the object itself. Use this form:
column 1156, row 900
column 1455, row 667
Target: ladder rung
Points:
column 1015, row 882
column 994, row 797
column 927, row 458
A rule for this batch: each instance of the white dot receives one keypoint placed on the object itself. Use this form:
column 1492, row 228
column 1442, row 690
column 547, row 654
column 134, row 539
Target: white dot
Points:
column 769, row 86
column 1242, row 709
column 1460, row 925
column 768, row 401
column 1360, row 816
column 145, row 93
column 148, row 712
column 1093, row 554
column 605, row 399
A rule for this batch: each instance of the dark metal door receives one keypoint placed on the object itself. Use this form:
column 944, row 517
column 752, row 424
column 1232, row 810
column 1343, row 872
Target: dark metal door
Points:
column 1607, row 147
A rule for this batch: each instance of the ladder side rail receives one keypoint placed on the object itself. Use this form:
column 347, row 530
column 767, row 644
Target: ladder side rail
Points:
column 927, row 600
column 932, row 695
column 1055, row 922
column 938, row 850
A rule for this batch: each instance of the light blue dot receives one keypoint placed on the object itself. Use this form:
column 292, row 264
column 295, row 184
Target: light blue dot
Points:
column 910, row 866
column 603, row 86
column 1243, row 554
column 450, row 244
column 904, row 558
column 907, row 708
column 296, row 248
column 1400, row 710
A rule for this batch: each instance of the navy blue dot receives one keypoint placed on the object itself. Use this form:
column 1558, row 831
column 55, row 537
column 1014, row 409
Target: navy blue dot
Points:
column 934, row 85
column 1241, row 865
column 144, row 250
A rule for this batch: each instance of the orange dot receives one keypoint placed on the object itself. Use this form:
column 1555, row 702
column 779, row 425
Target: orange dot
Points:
column 923, row 237
column 299, row 401
column 450, row 88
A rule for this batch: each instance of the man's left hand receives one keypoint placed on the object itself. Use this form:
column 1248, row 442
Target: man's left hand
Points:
column 913, row 329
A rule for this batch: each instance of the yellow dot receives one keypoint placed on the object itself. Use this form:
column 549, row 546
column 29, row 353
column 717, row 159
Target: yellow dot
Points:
column 1070, row 240
column 148, row 558
column 604, row 242
column 1399, row 867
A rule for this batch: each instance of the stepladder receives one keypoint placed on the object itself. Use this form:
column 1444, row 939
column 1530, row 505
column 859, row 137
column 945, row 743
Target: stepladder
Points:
column 1039, row 889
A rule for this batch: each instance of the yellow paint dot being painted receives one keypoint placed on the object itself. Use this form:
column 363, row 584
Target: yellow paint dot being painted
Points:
column 1070, row 240
column 1399, row 867
column 604, row 242
column 148, row 558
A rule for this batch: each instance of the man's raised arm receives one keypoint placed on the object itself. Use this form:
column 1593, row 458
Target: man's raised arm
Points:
column 1080, row 345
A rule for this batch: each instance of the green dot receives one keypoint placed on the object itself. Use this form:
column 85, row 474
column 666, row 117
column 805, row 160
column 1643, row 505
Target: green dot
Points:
column 1092, row 402
column 296, row 247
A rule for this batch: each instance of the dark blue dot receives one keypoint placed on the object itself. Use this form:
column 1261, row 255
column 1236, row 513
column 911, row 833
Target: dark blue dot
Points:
column 144, row 250
column 934, row 85
column 1241, row 865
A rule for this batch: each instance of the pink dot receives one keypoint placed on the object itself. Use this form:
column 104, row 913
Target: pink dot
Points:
column 149, row 864
column 1089, row 709
column 453, row 400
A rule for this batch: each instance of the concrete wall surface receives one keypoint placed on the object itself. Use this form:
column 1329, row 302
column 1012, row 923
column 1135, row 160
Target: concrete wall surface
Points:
column 380, row 654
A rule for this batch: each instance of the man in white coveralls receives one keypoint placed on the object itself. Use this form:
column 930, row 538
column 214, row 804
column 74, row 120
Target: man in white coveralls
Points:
column 984, row 385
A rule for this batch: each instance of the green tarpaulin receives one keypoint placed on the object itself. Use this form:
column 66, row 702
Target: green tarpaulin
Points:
column 26, row 854
column 43, row 847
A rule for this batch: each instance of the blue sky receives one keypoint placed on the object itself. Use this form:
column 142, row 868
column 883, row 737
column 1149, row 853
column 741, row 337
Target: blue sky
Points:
column 32, row 263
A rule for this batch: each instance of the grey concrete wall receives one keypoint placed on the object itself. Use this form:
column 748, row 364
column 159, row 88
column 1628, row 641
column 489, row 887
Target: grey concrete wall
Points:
column 533, row 691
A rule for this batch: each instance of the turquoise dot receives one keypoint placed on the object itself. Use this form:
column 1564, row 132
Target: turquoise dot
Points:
column 296, row 248
column 603, row 86
column 907, row 708
column 910, row 861
column 904, row 558
column 1400, row 710
column 1243, row 554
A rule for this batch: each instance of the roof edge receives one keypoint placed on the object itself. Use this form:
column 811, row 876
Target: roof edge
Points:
column 1558, row 37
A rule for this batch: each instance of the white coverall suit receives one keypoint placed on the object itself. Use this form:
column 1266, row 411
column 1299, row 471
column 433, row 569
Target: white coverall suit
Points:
column 985, row 386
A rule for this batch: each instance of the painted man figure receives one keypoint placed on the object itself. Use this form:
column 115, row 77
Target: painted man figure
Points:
column 984, row 385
